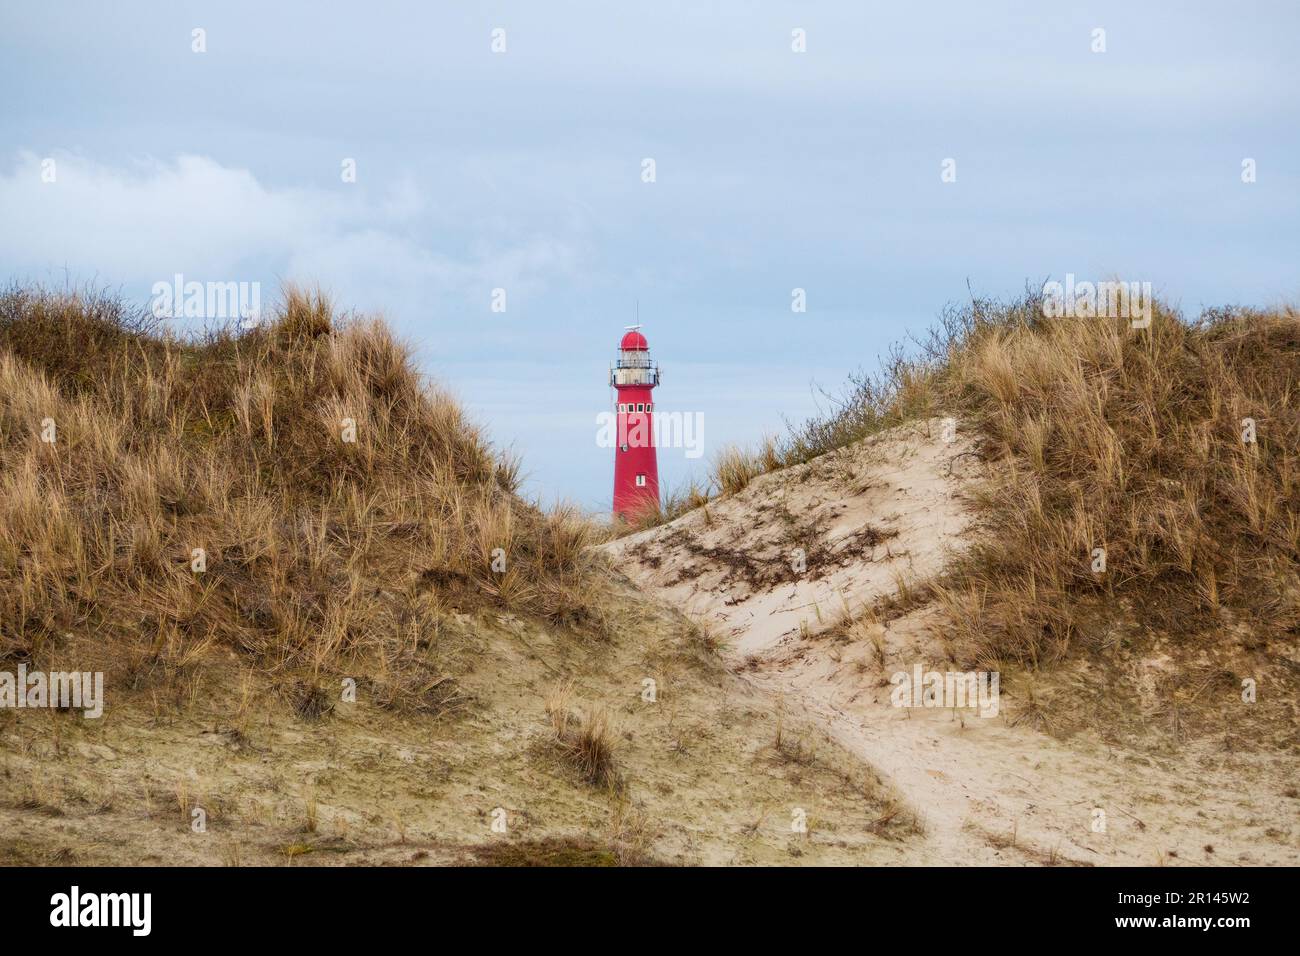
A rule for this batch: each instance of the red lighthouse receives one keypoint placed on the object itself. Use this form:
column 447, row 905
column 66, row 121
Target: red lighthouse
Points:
column 636, row 466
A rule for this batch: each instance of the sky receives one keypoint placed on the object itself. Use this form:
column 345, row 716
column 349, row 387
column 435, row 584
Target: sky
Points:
column 503, row 146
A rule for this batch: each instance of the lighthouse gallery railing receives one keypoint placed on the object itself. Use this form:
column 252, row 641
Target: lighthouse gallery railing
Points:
column 633, row 372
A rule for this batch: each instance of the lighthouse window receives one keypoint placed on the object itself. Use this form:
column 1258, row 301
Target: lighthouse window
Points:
column 640, row 406
column 622, row 408
column 640, row 481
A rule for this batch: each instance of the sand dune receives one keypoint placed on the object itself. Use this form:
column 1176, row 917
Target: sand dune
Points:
column 875, row 523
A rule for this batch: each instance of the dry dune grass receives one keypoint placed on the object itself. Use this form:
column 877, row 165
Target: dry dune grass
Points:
column 734, row 468
column 1106, row 439
column 585, row 740
column 1099, row 436
column 293, row 493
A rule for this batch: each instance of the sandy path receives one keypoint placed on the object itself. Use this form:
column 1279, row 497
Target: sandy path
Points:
column 992, row 793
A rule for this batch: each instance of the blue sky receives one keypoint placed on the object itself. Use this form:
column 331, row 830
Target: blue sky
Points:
column 775, row 170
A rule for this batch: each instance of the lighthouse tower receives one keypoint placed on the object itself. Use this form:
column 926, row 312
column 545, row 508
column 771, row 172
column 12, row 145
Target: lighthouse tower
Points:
column 636, row 468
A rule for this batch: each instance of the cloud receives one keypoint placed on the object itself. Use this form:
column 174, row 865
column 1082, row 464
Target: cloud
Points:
column 137, row 225
column 191, row 215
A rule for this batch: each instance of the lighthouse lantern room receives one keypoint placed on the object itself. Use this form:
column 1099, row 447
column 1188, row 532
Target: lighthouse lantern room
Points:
column 634, row 375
